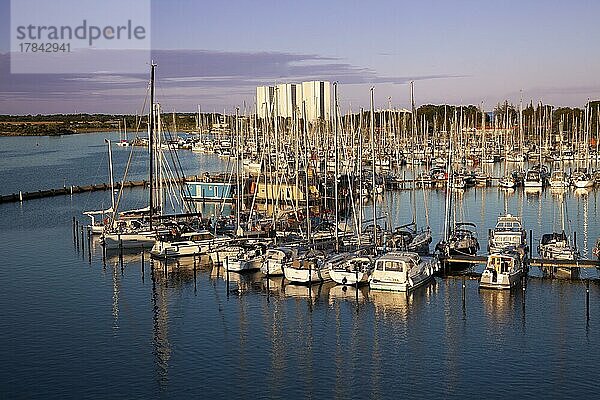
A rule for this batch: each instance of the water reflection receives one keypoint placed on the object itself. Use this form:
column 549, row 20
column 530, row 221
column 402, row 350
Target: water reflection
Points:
column 160, row 337
column 349, row 293
column 498, row 304
column 316, row 292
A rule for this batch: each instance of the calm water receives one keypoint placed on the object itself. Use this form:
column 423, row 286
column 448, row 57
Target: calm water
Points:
column 75, row 327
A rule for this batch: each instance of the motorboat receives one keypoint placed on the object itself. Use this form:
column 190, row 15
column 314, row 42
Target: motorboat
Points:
column 402, row 271
column 502, row 271
column 508, row 232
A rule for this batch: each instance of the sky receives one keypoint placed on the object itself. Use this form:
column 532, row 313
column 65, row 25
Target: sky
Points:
column 213, row 54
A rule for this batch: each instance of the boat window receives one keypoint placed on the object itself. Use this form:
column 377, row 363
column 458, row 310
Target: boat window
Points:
column 393, row 266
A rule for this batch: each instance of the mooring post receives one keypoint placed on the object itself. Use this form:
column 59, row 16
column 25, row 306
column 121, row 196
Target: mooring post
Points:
column 103, row 240
column 530, row 243
column 575, row 239
column 20, row 196
column 74, row 230
column 587, row 299
column 120, row 252
column 82, row 244
column 166, row 270
column 464, row 292
column 195, row 284
column 77, row 234
column 143, row 262
column 227, row 273
column 89, row 242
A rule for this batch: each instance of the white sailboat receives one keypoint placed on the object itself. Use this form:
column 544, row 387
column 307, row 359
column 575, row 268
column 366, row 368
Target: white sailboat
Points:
column 350, row 269
column 187, row 244
column 307, row 268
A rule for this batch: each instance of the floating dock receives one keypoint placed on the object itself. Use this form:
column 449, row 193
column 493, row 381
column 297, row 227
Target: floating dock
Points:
column 70, row 190
column 532, row 262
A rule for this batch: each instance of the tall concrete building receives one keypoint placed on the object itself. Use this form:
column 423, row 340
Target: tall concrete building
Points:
column 317, row 97
column 286, row 99
column 265, row 101
column 289, row 99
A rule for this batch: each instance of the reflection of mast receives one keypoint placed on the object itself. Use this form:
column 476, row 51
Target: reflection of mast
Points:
column 160, row 324
column 278, row 353
column 585, row 224
column 115, row 298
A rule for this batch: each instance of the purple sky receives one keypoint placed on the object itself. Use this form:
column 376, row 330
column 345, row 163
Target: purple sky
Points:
column 215, row 53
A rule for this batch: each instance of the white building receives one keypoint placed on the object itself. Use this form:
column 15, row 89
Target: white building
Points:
column 265, row 99
column 287, row 98
column 317, row 97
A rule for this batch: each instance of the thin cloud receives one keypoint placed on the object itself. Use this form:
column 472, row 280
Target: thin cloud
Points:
column 184, row 78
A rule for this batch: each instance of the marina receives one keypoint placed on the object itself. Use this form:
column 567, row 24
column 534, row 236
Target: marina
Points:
column 300, row 200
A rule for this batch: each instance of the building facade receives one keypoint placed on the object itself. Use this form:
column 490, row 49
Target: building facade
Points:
column 285, row 100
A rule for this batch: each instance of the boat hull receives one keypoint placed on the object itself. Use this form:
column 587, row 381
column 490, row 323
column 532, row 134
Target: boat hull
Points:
column 128, row 241
column 501, row 281
column 344, row 277
column 305, row 275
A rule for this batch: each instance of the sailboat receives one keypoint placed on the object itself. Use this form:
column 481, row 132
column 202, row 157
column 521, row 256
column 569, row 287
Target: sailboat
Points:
column 137, row 229
column 351, row 269
column 409, row 237
column 557, row 246
column 461, row 237
column 123, row 142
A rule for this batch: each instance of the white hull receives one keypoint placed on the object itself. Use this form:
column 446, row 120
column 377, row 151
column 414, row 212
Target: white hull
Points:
column 559, row 184
column 129, row 241
column 344, row 277
column 584, row 184
column 502, row 281
column 533, row 184
column 270, row 267
column 305, row 275
column 187, row 248
column 401, row 279
column 240, row 265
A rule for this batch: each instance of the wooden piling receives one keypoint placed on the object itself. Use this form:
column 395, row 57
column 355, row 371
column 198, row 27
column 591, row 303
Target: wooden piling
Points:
column 77, row 234
column 587, row 299
column 464, row 292
column 89, row 243
column 530, row 243
column 143, row 261
column 227, row 273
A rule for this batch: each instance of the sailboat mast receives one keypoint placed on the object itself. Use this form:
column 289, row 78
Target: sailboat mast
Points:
column 238, row 176
column 306, row 158
column 112, row 181
column 151, row 142
column 335, row 169
column 373, row 191
column 360, row 185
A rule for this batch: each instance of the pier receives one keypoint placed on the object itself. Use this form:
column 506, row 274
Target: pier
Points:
column 74, row 189
column 532, row 262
